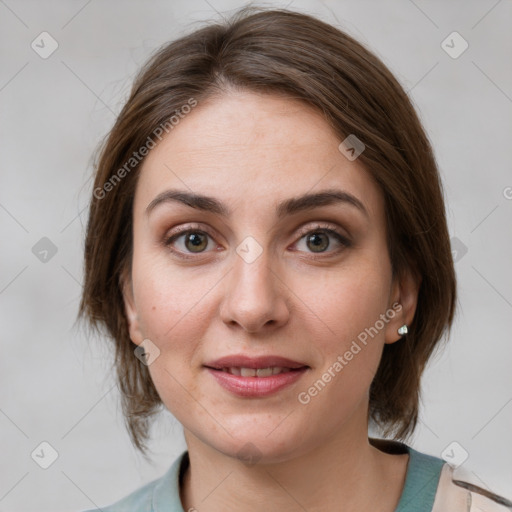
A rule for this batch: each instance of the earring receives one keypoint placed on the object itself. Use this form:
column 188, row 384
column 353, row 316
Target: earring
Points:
column 403, row 330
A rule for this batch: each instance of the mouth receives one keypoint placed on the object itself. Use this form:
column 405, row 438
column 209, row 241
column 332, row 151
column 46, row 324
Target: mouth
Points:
column 255, row 377
column 256, row 372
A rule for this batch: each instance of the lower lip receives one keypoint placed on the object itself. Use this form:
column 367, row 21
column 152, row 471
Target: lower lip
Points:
column 256, row 386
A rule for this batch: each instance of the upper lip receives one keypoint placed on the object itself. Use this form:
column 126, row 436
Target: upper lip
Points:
column 244, row 361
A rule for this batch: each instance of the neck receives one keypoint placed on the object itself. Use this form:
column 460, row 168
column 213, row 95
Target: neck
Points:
column 344, row 473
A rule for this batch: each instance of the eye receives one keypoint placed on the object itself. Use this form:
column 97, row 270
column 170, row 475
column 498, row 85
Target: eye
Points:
column 193, row 240
column 317, row 240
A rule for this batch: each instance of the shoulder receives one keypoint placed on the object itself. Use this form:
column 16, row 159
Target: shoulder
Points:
column 458, row 490
column 161, row 493
column 433, row 485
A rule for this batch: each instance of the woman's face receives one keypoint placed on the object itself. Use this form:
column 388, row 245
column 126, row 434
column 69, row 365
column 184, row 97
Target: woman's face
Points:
column 261, row 276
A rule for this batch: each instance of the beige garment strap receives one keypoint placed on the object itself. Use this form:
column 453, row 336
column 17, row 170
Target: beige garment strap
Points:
column 467, row 496
column 450, row 497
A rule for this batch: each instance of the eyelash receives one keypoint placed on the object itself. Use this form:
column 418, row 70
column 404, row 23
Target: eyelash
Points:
column 327, row 229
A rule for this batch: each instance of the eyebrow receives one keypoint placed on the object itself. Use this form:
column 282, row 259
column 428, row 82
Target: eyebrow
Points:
column 284, row 208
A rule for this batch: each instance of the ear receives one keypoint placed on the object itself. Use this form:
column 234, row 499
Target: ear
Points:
column 132, row 316
column 403, row 301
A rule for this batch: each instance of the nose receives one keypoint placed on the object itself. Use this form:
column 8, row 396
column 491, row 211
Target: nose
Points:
column 255, row 296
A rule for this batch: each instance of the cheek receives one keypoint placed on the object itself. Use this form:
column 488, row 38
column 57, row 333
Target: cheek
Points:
column 166, row 296
column 347, row 324
column 345, row 302
column 349, row 348
column 168, row 307
column 172, row 305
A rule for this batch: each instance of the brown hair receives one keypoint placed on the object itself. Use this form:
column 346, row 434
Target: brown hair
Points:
column 284, row 52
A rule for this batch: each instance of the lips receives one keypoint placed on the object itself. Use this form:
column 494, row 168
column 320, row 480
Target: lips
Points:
column 255, row 377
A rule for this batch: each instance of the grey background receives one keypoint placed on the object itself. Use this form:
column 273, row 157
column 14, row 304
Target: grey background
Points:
column 56, row 381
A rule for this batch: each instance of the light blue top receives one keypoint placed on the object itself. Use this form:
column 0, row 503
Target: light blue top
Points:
column 163, row 495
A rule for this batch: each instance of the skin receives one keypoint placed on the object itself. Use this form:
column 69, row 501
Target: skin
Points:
column 251, row 151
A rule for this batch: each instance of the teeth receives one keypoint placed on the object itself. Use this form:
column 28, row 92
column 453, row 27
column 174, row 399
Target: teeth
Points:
column 264, row 372
column 256, row 372
column 248, row 372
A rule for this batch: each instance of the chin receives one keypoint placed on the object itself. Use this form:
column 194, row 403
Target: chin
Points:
column 255, row 445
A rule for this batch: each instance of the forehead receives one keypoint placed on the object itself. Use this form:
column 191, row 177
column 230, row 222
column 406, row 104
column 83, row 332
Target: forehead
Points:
column 245, row 147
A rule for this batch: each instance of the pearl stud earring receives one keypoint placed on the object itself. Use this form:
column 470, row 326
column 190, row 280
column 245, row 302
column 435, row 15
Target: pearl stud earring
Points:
column 403, row 330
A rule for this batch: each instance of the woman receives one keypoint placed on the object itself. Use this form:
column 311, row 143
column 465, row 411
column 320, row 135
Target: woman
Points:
column 267, row 246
